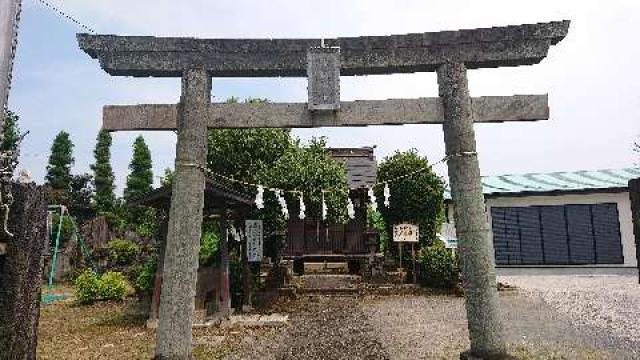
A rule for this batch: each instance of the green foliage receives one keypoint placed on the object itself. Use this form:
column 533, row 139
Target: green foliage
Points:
column 60, row 161
column 167, row 178
column 417, row 199
column 308, row 169
column 112, row 286
column 273, row 158
column 438, row 267
column 209, row 245
column 140, row 179
column 11, row 132
column 66, row 231
column 87, row 286
column 145, row 221
column 375, row 220
column 90, row 287
column 143, row 276
column 122, row 251
column 80, row 197
column 103, row 177
column 117, row 218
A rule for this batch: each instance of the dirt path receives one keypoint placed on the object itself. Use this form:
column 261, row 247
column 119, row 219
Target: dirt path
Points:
column 321, row 328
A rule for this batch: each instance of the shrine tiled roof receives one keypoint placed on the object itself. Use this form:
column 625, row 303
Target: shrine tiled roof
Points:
column 360, row 163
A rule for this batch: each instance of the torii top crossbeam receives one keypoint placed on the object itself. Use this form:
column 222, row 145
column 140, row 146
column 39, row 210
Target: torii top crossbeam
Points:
column 145, row 56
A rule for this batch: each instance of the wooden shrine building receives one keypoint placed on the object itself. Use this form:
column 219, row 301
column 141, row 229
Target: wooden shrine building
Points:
column 313, row 239
column 212, row 286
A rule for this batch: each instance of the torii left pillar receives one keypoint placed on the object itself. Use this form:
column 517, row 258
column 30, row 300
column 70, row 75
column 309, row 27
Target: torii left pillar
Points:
column 173, row 336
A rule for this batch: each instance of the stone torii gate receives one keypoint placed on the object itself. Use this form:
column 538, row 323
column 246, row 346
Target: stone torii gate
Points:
column 323, row 61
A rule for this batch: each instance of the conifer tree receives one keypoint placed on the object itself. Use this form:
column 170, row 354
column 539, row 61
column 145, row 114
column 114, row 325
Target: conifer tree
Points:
column 103, row 174
column 11, row 132
column 140, row 179
column 60, row 162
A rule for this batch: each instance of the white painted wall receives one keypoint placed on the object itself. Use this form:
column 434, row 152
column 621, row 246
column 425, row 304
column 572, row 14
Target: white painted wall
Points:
column 624, row 213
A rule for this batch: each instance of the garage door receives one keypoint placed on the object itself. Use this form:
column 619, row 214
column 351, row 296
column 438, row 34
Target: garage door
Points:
column 557, row 235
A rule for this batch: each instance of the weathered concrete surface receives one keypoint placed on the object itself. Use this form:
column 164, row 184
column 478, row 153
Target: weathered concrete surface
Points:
column 472, row 229
column 352, row 113
column 477, row 48
column 9, row 17
column 20, row 273
column 173, row 337
column 323, row 77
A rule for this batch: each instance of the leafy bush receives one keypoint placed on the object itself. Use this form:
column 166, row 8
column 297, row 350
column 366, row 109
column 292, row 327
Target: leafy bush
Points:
column 142, row 277
column 91, row 288
column 417, row 199
column 438, row 267
column 209, row 245
column 87, row 286
column 122, row 251
column 65, row 232
column 112, row 286
column 377, row 222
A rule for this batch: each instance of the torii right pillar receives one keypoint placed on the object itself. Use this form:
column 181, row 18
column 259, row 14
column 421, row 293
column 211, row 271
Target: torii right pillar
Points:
column 472, row 228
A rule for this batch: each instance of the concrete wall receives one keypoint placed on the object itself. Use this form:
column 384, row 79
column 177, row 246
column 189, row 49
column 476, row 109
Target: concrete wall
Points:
column 624, row 213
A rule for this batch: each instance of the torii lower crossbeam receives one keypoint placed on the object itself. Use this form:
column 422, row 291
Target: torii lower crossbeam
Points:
column 352, row 113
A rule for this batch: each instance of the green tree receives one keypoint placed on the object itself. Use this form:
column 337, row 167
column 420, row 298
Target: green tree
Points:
column 417, row 199
column 11, row 132
column 80, row 197
column 60, row 161
column 310, row 169
column 167, row 178
column 273, row 158
column 140, row 179
column 103, row 177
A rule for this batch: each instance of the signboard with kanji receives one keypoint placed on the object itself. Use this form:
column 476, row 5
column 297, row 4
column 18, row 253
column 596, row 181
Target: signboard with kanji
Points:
column 405, row 233
column 253, row 232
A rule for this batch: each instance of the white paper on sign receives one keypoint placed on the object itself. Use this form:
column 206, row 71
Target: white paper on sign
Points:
column 254, row 235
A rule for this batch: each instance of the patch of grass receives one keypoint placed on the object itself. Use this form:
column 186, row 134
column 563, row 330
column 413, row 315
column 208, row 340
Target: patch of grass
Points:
column 567, row 352
column 114, row 330
column 68, row 331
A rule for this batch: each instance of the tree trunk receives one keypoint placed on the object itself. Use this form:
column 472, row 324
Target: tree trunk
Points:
column 472, row 228
column 21, row 273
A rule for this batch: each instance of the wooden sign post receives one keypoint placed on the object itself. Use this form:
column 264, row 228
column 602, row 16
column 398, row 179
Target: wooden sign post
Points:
column 407, row 233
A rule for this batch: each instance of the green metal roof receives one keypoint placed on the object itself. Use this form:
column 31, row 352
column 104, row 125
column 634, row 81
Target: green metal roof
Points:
column 557, row 181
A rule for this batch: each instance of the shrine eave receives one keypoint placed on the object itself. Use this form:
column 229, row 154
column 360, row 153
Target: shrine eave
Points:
column 147, row 56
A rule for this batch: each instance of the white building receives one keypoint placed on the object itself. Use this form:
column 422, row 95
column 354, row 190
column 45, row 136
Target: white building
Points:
column 564, row 222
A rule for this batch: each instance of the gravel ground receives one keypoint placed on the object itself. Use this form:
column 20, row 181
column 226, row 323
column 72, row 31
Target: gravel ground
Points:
column 608, row 303
column 549, row 318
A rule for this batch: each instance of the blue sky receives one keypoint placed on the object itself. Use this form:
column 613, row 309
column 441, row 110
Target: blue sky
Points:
column 591, row 77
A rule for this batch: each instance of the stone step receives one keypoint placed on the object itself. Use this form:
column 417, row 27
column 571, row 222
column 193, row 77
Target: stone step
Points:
column 330, row 291
column 326, row 268
column 331, row 281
